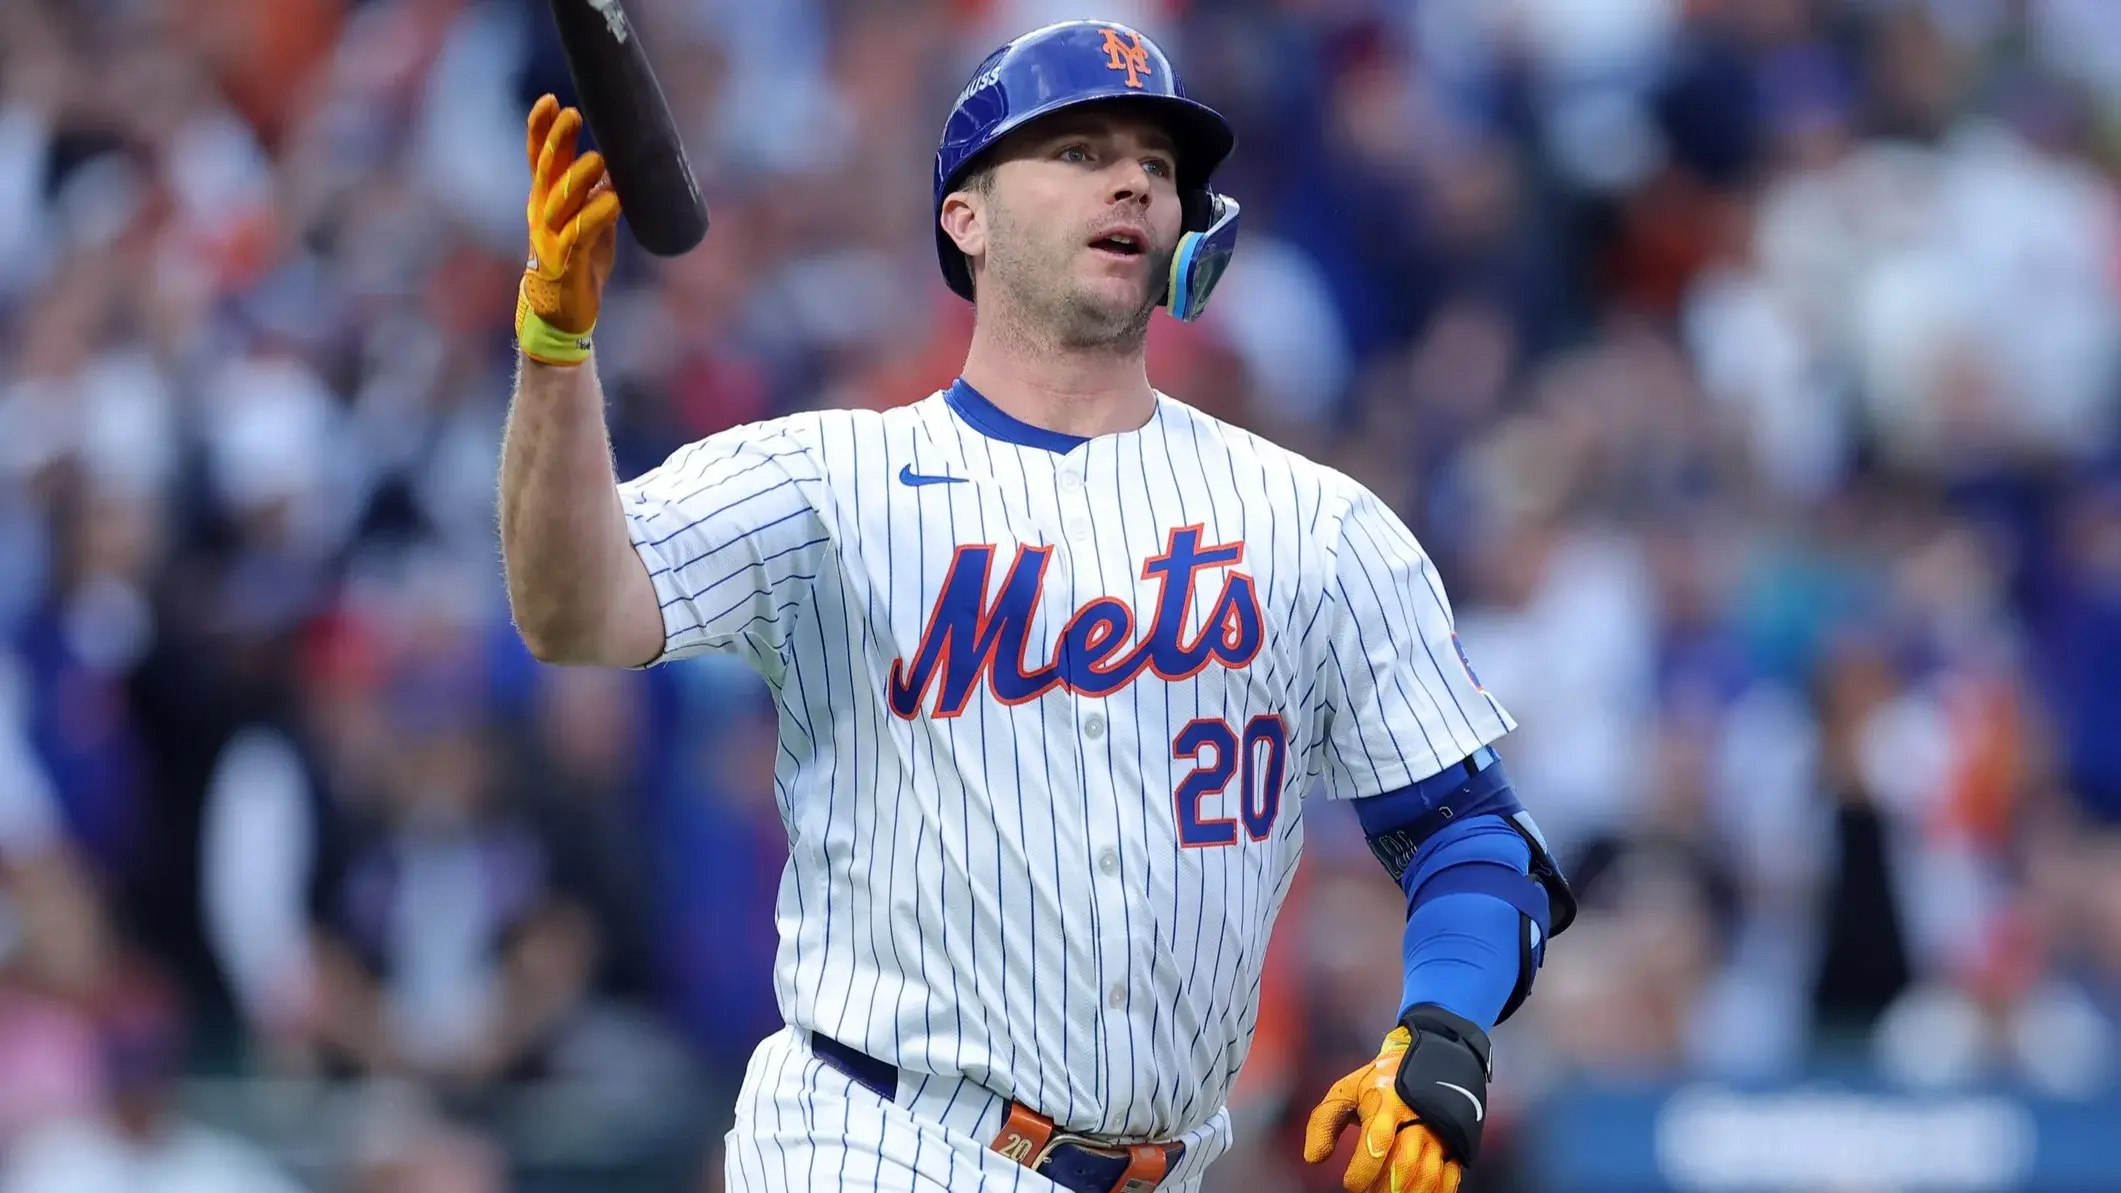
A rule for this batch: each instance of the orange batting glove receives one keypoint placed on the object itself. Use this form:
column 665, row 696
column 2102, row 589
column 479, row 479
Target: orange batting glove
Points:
column 574, row 216
column 1419, row 1105
column 1394, row 1153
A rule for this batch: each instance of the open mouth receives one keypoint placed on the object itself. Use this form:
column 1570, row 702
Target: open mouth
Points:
column 1121, row 244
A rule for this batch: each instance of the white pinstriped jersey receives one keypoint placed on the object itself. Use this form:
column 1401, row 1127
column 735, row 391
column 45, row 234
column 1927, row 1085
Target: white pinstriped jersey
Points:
column 1046, row 725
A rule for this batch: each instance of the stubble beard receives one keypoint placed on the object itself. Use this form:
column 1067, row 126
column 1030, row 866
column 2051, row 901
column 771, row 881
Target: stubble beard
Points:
column 1051, row 306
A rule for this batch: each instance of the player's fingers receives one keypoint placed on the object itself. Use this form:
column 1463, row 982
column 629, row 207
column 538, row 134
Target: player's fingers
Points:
column 573, row 189
column 600, row 213
column 537, row 126
column 595, row 220
column 1395, row 1173
column 541, row 154
column 1418, row 1164
column 568, row 214
column 1453, row 1173
column 1328, row 1119
column 1365, row 1173
column 559, row 150
column 1373, row 1148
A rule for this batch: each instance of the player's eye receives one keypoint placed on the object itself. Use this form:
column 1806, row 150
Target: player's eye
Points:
column 1075, row 152
column 1160, row 166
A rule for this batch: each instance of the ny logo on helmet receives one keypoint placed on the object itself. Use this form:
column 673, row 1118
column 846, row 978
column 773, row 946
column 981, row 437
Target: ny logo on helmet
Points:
column 1132, row 57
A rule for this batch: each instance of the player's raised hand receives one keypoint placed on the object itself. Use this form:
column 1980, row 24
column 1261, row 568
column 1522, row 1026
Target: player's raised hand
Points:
column 1418, row 1108
column 573, row 217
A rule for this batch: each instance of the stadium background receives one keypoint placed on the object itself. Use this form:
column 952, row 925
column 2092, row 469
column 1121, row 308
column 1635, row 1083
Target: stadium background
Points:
column 1748, row 367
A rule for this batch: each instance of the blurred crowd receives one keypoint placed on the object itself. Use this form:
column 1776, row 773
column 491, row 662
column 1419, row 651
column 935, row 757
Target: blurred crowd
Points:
column 1748, row 366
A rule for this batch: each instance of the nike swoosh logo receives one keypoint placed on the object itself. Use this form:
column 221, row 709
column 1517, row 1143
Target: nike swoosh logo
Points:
column 1479, row 1112
column 907, row 476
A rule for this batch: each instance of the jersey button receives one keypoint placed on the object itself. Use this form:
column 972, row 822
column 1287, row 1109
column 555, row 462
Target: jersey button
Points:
column 1116, row 997
column 1093, row 726
column 1108, row 862
column 1069, row 482
column 1078, row 529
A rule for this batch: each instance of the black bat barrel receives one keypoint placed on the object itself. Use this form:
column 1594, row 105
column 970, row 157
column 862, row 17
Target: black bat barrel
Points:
column 623, row 105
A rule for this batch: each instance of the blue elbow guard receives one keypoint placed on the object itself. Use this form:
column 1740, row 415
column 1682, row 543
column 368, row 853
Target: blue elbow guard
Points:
column 1406, row 831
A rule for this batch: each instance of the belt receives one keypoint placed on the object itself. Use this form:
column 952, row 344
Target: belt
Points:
column 1075, row 1162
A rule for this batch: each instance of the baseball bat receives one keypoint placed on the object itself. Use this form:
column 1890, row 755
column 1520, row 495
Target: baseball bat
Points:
column 623, row 105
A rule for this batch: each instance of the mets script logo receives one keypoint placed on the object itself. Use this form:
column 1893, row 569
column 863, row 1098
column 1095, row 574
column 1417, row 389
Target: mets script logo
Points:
column 1126, row 52
column 969, row 639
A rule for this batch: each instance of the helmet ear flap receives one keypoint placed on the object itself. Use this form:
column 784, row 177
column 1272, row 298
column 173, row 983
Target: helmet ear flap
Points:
column 1203, row 254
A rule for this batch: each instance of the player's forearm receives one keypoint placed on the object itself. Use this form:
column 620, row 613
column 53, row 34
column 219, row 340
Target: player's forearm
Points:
column 577, row 590
column 1461, row 952
column 1482, row 892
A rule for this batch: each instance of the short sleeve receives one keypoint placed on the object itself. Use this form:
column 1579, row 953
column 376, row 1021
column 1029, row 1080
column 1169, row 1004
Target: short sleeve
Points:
column 1397, row 699
column 731, row 539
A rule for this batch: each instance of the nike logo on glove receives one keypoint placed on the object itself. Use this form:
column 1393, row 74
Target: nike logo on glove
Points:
column 1479, row 1112
column 907, row 476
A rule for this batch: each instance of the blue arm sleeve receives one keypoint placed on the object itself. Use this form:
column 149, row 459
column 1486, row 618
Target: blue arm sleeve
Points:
column 1461, row 951
column 1466, row 872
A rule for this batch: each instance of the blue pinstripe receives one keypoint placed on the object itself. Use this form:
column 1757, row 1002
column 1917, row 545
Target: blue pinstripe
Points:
column 1373, row 691
column 1406, row 605
column 1243, row 967
column 964, row 808
column 1001, row 882
column 713, row 514
column 898, row 803
column 1122, row 1105
column 1141, row 785
column 1200, row 906
column 779, row 1132
column 1053, row 837
column 921, row 841
column 815, row 1070
column 1016, row 761
column 1443, row 602
column 832, row 787
column 748, row 568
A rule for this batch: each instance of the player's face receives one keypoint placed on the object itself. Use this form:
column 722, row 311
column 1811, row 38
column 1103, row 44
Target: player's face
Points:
column 1081, row 224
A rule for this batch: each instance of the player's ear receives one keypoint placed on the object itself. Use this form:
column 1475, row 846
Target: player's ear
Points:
column 964, row 220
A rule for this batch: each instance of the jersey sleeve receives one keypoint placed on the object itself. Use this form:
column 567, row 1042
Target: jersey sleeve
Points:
column 1397, row 699
column 731, row 538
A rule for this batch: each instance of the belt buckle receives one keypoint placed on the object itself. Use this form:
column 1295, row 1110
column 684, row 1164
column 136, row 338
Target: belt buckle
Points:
column 1030, row 1139
column 1147, row 1163
column 1086, row 1142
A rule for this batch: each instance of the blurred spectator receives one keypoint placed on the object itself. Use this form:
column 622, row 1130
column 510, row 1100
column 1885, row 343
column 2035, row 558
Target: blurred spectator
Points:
column 426, row 1156
column 450, row 951
column 91, row 1085
column 2081, row 632
column 58, row 970
column 1865, row 953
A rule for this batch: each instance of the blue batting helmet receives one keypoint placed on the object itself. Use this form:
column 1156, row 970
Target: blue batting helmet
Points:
column 1081, row 62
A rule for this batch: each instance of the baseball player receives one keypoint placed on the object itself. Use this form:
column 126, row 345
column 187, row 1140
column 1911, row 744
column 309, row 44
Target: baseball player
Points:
column 1057, row 657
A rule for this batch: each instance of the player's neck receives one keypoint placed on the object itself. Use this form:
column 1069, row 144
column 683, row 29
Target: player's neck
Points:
column 1086, row 392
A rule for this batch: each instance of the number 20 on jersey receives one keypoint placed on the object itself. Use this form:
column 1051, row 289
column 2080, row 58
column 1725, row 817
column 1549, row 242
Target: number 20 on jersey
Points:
column 1256, row 757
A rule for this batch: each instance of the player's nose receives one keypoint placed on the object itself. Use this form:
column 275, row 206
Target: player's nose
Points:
column 1129, row 181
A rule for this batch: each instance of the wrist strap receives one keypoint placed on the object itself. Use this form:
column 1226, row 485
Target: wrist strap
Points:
column 1443, row 1078
column 546, row 344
